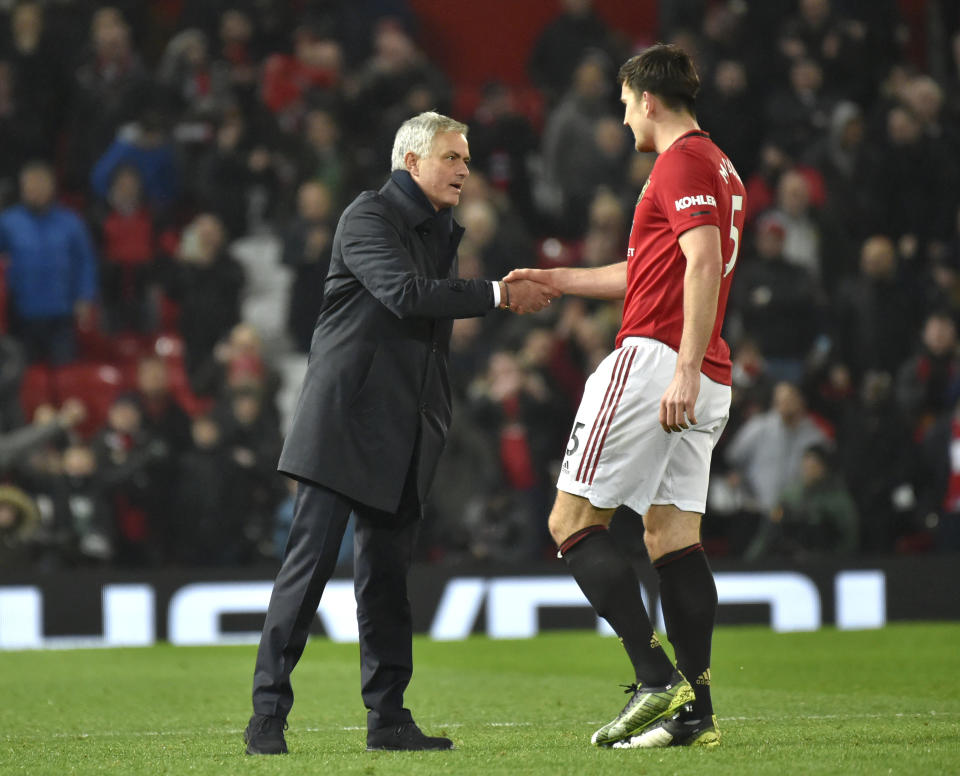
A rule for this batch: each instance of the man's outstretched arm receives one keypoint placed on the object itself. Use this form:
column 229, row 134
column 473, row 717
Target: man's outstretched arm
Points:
column 608, row 282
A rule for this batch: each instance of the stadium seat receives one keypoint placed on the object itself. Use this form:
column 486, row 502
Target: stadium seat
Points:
column 96, row 384
column 36, row 388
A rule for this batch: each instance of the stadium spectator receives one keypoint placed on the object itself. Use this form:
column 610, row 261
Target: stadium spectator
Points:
column 127, row 236
column 775, row 303
column 237, row 362
column 765, row 452
column 146, row 145
column 928, row 383
column 313, row 72
column 798, row 117
column 111, row 88
column 128, row 457
column 38, row 76
column 842, row 157
column 250, row 438
column 320, row 154
column 21, row 134
column 307, row 243
column 804, row 240
column 569, row 144
column 205, row 282
column 502, row 143
column 875, row 312
column 725, row 99
column 938, row 480
column 564, row 42
column 193, row 84
column 237, row 178
column 207, row 527
column 52, row 275
column 396, row 82
column 814, row 517
column 160, row 411
column 19, row 528
column 875, row 450
column 515, row 407
column 909, row 188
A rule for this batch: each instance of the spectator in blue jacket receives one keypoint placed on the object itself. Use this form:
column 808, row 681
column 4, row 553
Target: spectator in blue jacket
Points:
column 146, row 145
column 52, row 274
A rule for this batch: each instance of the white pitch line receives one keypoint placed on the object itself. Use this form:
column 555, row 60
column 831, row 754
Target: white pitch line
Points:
column 357, row 728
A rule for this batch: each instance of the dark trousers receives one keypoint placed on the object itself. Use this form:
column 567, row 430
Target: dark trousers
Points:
column 383, row 549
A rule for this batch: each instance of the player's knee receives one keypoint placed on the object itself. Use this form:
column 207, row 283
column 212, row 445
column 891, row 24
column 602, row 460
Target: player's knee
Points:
column 559, row 527
column 651, row 540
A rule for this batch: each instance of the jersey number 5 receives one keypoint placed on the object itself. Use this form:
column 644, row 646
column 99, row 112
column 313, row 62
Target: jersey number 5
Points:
column 736, row 202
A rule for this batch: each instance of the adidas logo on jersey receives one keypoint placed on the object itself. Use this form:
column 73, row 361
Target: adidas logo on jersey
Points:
column 700, row 199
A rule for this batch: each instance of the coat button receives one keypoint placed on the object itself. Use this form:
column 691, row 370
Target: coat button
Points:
column 423, row 408
column 435, row 347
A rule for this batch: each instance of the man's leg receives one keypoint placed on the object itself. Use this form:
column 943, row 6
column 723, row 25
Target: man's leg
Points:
column 688, row 594
column 383, row 553
column 604, row 574
column 609, row 582
column 319, row 520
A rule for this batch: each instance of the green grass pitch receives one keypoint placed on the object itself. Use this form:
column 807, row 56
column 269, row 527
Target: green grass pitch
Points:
column 868, row 702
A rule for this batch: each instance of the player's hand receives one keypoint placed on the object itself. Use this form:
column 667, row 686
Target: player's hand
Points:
column 679, row 402
column 529, row 296
column 528, row 273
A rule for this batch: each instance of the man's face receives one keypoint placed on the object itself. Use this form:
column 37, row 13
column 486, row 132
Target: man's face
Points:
column 36, row 187
column 634, row 110
column 441, row 174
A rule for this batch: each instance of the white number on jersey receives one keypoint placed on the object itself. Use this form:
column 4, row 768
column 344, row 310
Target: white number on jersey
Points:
column 736, row 202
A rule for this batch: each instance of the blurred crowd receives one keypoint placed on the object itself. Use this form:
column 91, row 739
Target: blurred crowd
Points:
column 163, row 163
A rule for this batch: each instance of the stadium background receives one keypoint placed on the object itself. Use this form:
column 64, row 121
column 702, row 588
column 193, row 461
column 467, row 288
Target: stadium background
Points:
column 208, row 149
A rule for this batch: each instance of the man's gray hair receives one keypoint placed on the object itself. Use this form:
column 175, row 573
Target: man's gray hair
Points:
column 417, row 135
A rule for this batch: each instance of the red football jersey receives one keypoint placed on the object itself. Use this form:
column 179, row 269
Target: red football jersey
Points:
column 692, row 183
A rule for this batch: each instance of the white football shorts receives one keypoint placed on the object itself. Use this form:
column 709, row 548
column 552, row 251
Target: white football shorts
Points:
column 618, row 452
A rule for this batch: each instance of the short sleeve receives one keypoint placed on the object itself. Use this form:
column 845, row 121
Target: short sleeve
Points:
column 687, row 189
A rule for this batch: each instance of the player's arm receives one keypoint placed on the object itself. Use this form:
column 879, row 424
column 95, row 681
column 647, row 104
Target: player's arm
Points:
column 607, row 282
column 701, row 289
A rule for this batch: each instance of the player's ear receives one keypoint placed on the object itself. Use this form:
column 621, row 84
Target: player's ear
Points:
column 412, row 163
column 647, row 103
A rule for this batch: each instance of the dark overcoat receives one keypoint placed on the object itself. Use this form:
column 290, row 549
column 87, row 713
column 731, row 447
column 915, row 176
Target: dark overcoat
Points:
column 376, row 397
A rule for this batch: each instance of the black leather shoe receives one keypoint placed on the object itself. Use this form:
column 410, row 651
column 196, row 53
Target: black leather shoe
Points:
column 406, row 737
column 264, row 735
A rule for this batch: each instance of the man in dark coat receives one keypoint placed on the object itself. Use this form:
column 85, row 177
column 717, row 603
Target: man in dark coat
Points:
column 371, row 423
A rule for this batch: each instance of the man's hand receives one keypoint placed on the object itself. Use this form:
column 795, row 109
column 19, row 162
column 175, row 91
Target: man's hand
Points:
column 679, row 401
column 83, row 314
column 72, row 412
column 527, row 296
column 529, row 273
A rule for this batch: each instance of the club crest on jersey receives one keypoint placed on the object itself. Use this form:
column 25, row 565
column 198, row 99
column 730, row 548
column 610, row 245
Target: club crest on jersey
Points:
column 700, row 199
column 643, row 190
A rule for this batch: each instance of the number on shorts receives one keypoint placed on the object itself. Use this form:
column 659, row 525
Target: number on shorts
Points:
column 574, row 442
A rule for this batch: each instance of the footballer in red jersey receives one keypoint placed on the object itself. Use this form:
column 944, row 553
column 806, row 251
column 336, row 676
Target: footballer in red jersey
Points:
column 654, row 409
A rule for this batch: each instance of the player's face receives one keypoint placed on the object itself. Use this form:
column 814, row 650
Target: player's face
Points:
column 634, row 116
column 441, row 174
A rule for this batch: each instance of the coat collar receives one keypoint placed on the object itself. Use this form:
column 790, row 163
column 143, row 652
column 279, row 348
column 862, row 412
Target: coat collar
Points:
column 403, row 192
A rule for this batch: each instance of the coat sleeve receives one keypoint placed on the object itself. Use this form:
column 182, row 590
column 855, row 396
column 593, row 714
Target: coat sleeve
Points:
column 85, row 263
column 374, row 252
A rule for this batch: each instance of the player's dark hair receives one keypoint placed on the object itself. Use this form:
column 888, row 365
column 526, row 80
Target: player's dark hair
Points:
column 666, row 71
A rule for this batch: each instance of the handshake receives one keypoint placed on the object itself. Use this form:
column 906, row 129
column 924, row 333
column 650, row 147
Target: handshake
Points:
column 522, row 293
